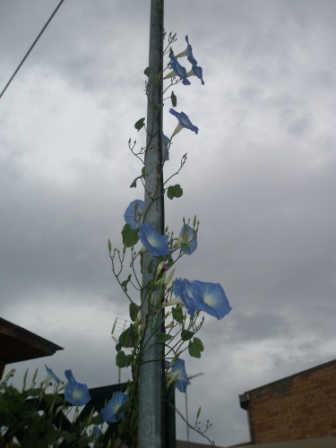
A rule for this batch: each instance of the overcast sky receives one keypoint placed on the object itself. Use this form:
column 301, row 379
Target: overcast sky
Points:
column 260, row 176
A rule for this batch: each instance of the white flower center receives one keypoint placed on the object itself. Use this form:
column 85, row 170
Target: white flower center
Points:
column 209, row 300
column 152, row 241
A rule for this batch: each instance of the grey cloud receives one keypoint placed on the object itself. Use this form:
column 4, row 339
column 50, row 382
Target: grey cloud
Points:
column 259, row 176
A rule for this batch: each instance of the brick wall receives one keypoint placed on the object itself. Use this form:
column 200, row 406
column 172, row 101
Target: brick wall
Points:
column 301, row 406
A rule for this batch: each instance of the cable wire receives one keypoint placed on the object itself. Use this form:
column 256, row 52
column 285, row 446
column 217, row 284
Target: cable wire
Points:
column 30, row 49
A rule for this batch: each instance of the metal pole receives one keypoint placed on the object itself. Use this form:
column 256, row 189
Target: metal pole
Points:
column 187, row 416
column 151, row 385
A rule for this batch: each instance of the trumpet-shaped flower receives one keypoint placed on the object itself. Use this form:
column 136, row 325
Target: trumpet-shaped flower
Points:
column 134, row 213
column 179, row 374
column 188, row 239
column 178, row 69
column 211, row 298
column 75, row 393
column 183, row 122
column 183, row 289
column 165, row 148
column 202, row 296
column 188, row 52
column 153, row 241
column 197, row 71
column 110, row 411
column 52, row 375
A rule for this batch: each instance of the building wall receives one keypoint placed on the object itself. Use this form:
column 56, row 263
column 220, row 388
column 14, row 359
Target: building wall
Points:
column 298, row 407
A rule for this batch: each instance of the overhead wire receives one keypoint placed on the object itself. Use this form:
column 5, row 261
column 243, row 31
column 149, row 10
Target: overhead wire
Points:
column 30, row 49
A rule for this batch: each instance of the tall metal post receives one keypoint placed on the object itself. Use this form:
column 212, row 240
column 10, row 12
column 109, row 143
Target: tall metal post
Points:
column 151, row 385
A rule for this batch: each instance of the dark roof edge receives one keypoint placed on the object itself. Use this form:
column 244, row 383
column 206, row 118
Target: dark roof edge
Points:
column 10, row 329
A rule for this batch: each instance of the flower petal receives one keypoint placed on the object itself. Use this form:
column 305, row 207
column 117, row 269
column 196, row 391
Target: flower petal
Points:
column 190, row 55
column 153, row 241
column 189, row 239
column 180, row 71
column 110, row 411
column 178, row 369
column 183, row 289
column 196, row 71
column 211, row 298
column 165, row 148
column 52, row 374
column 76, row 393
column 184, row 120
column 134, row 213
column 69, row 376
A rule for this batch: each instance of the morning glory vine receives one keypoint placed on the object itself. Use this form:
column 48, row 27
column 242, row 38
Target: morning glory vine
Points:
column 184, row 301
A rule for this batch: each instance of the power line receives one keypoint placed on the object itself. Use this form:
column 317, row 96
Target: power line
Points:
column 30, row 49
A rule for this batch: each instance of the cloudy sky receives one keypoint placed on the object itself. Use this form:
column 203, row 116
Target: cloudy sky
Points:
column 260, row 176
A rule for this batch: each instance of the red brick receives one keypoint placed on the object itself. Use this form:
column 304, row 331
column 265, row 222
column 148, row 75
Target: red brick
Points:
column 298, row 407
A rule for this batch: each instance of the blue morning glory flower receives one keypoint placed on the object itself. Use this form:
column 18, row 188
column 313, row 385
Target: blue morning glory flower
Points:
column 188, row 52
column 211, row 298
column 189, row 239
column 134, row 213
column 183, row 122
column 75, row 393
column 183, row 289
column 52, row 374
column 153, row 241
column 202, row 296
column 180, row 375
column 197, row 71
column 165, row 148
column 110, row 411
column 178, row 70
column 190, row 55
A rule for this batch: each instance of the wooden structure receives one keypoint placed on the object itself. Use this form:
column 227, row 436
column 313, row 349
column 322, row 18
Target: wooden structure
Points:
column 18, row 344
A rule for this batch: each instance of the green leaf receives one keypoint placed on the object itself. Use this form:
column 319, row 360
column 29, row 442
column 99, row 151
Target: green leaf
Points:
column 163, row 337
column 147, row 71
column 134, row 183
column 186, row 335
column 140, row 124
column 109, row 246
column 198, row 413
column 178, row 314
column 195, row 348
column 127, row 337
column 170, row 192
column 121, row 359
column 178, row 191
column 173, row 99
column 199, row 343
column 125, row 282
column 34, row 392
column 133, row 311
column 174, row 191
column 130, row 236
